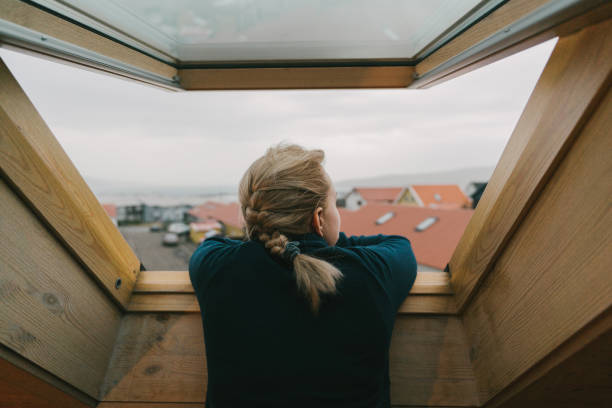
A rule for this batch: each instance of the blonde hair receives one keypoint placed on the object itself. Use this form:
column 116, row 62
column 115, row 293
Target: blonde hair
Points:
column 278, row 196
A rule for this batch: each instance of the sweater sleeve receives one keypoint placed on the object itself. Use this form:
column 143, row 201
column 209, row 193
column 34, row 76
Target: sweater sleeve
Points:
column 361, row 240
column 391, row 261
column 205, row 260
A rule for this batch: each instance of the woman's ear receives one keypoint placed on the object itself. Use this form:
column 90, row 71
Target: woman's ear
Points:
column 317, row 222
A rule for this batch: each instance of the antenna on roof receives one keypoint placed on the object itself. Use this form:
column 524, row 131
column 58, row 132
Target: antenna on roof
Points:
column 385, row 218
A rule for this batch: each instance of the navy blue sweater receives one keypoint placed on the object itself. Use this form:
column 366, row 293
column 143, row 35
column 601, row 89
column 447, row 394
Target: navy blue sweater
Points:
column 265, row 347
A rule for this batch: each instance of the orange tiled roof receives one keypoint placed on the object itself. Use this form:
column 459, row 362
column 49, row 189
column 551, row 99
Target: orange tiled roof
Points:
column 450, row 195
column 432, row 247
column 111, row 210
column 229, row 213
column 374, row 194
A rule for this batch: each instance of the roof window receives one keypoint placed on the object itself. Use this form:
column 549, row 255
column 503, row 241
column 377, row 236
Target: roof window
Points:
column 428, row 222
column 385, row 218
column 437, row 197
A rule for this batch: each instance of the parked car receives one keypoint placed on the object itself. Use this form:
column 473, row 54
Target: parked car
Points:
column 170, row 239
column 156, row 227
column 179, row 228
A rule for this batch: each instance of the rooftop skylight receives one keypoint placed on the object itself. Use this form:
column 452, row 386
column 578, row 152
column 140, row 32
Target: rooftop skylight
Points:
column 231, row 30
column 385, row 218
column 428, row 222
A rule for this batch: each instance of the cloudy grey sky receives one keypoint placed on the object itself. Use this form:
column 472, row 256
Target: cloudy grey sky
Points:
column 115, row 129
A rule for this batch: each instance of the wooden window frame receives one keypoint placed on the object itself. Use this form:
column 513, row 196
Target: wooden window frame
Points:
column 103, row 251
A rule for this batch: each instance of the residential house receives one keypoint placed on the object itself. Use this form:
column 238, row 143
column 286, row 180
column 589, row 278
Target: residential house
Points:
column 434, row 233
column 227, row 214
column 199, row 231
column 145, row 213
column 130, row 214
column 174, row 213
column 361, row 196
column 442, row 196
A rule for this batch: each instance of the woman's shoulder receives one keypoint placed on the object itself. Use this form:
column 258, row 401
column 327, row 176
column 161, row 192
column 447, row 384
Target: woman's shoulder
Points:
column 210, row 255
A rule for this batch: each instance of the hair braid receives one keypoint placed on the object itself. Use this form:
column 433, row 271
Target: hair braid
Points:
column 278, row 195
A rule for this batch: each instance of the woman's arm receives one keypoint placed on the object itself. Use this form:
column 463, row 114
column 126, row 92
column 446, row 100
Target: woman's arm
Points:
column 392, row 262
column 207, row 256
column 359, row 240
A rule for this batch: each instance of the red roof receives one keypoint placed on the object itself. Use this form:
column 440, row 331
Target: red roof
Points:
column 442, row 196
column 432, row 247
column 229, row 213
column 374, row 194
column 111, row 210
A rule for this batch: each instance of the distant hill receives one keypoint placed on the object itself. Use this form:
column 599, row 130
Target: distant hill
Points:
column 103, row 187
column 461, row 177
column 123, row 192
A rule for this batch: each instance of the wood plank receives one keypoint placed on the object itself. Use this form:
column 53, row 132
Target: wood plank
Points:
column 159, row 357
column 35, row 164
column 296, row 78
column 561, row 103
column 51, row 312
column 428, row 304
column 576, row 374
column 429, row 283
column 163, row 282
column 20, row 389
column 553, row 278
column 25, row 15
column 164, row 302
column 187, row 302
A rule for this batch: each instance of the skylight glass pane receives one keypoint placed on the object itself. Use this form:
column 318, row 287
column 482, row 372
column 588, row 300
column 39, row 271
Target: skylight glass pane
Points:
column 232, row 30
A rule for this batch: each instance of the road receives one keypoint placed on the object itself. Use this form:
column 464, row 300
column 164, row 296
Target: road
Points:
column 154, row 256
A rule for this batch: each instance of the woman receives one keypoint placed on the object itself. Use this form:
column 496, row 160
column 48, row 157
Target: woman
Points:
column 300, row 314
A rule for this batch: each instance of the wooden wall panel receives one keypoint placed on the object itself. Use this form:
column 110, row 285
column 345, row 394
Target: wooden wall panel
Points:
column 574, row 81
column 429, row 363
column 554, row 275
column 20, row 389
column 35, row 163
column 51, row 311
column 577, row 374
column 159, row 357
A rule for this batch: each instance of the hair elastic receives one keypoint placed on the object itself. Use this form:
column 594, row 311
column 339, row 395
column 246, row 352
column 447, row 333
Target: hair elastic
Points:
column 291, row 251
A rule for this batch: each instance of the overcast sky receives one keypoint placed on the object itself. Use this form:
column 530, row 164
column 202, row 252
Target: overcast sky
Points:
column 115, row 129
